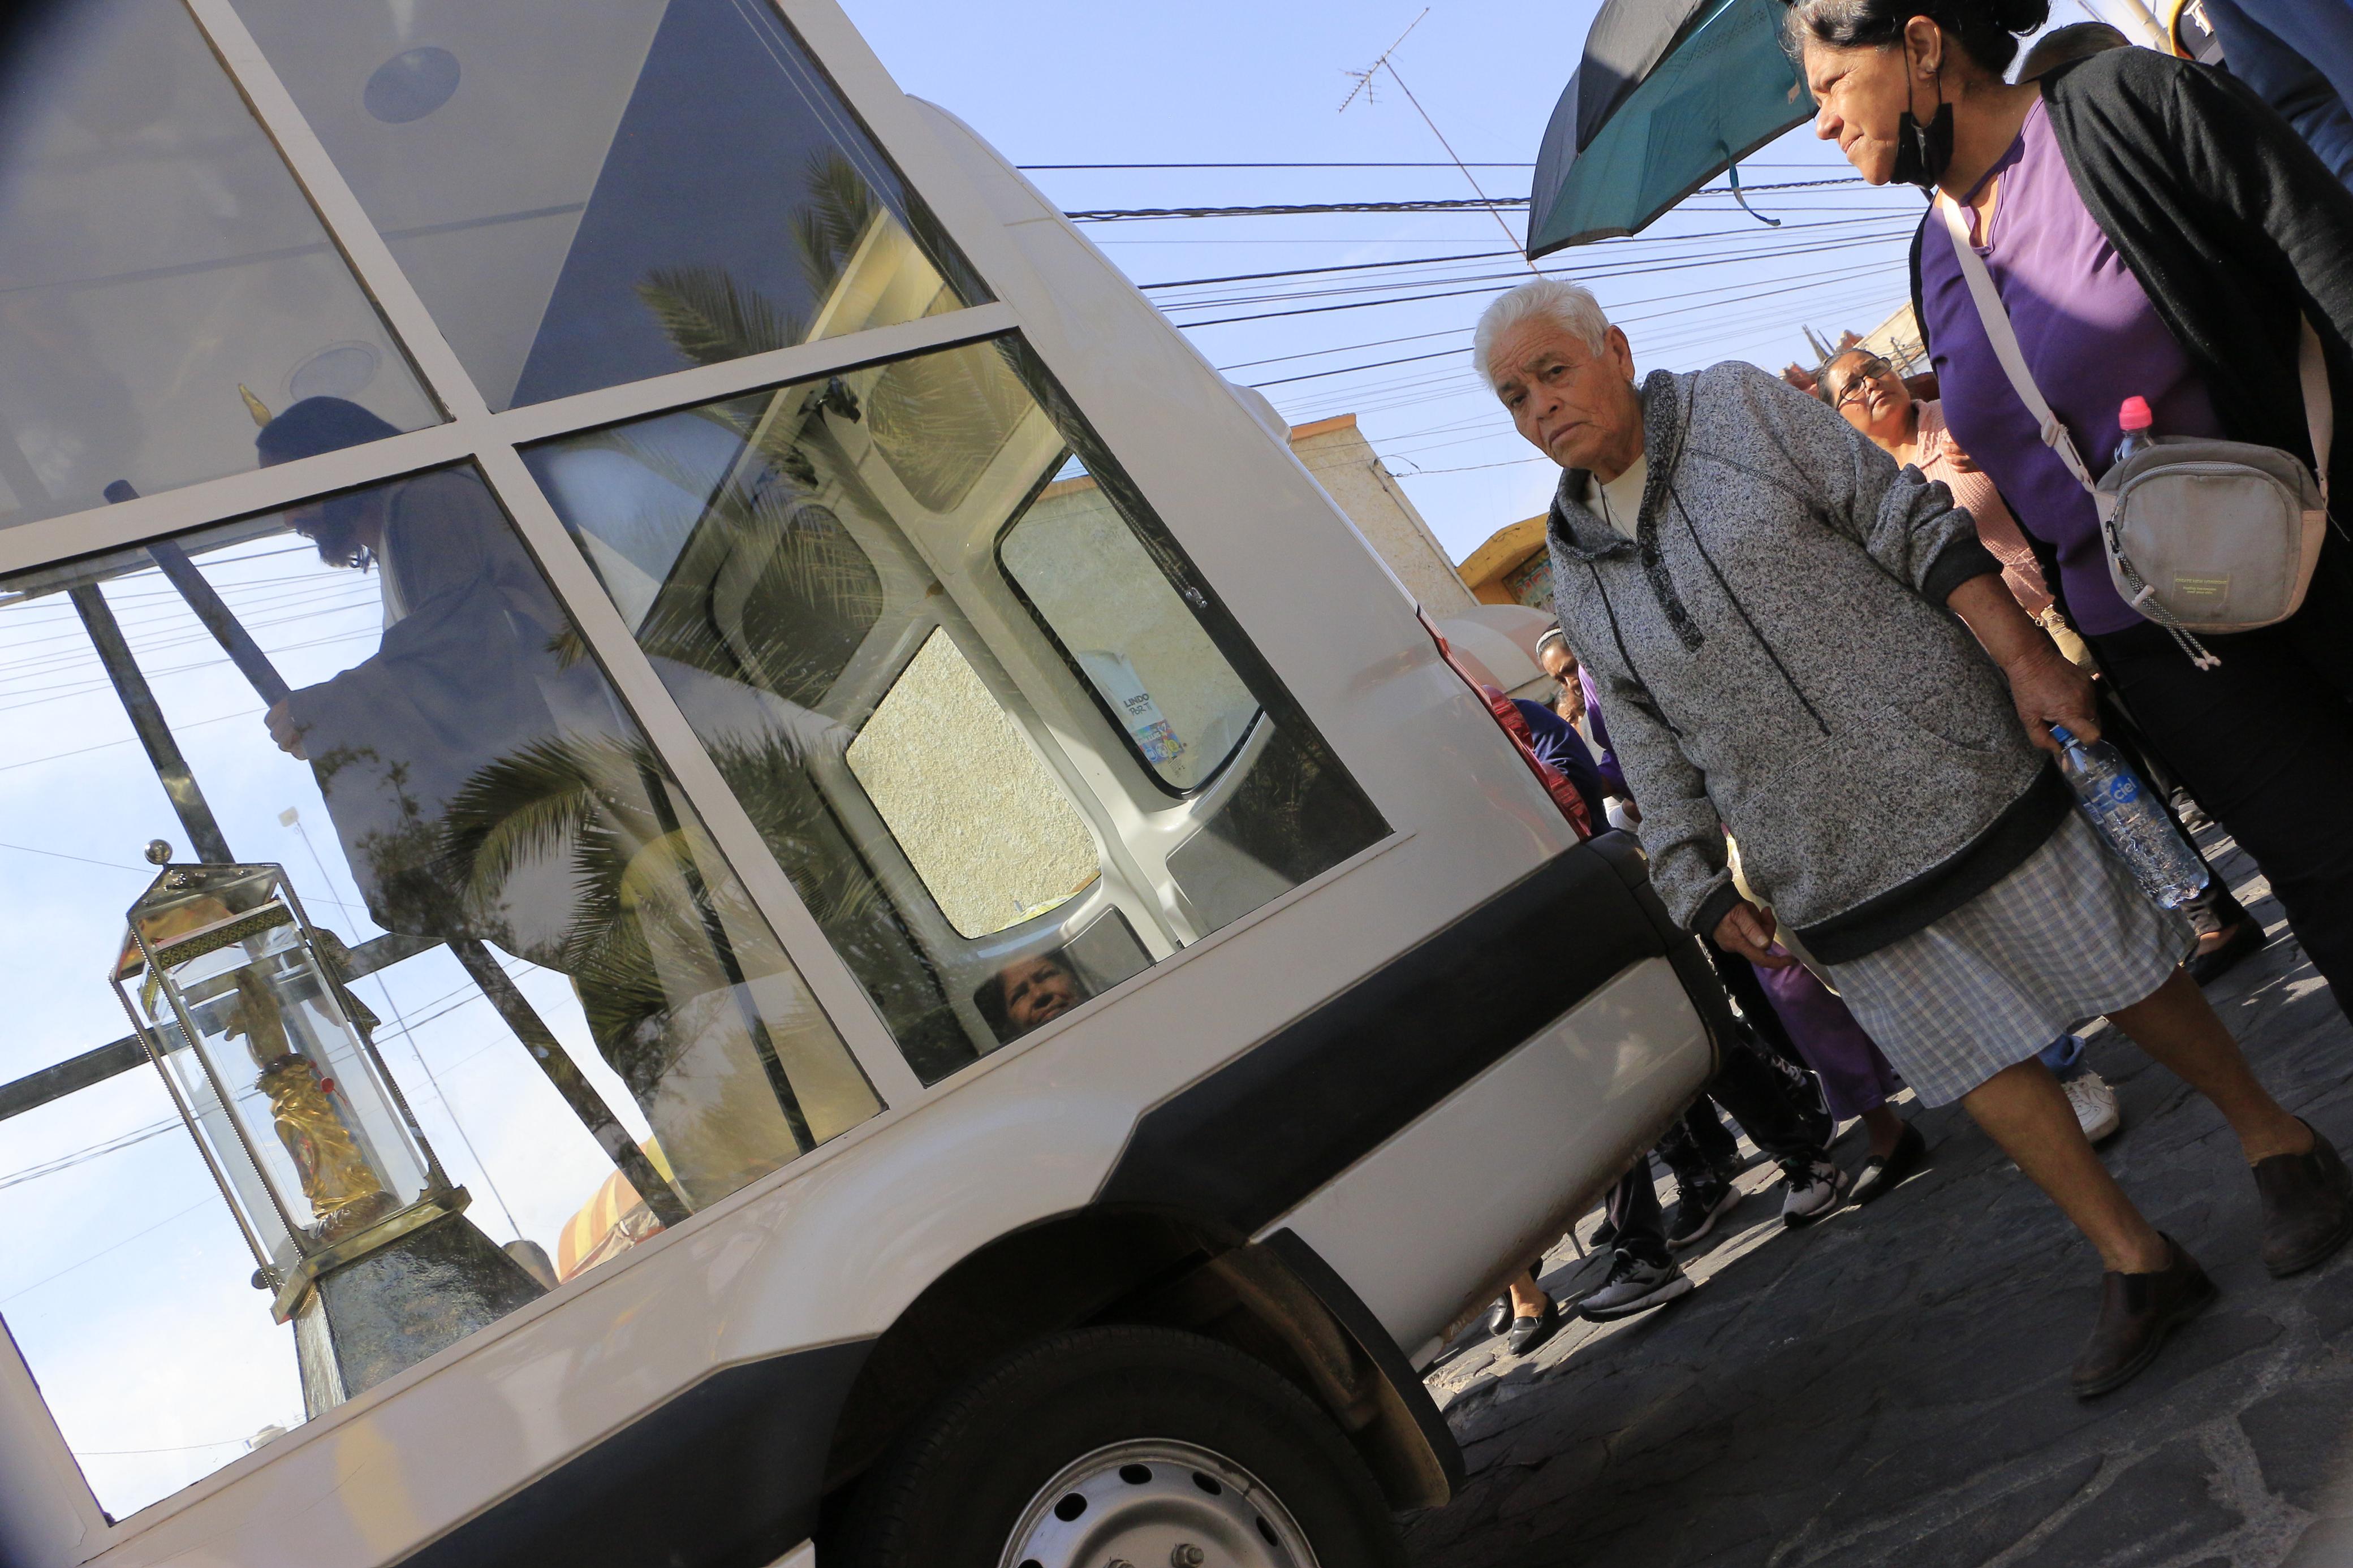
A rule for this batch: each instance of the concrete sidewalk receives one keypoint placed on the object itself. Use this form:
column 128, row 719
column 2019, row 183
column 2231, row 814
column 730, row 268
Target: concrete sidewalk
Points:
column 1890, row 1387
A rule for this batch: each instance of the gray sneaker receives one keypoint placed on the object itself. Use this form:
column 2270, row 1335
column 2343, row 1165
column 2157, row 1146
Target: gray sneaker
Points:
column 1633, row 1286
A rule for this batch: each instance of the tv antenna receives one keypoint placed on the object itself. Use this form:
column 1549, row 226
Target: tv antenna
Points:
column 1364, row 80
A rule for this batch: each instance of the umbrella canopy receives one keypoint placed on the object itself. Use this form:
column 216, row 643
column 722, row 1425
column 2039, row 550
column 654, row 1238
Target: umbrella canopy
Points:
column 1670, row 94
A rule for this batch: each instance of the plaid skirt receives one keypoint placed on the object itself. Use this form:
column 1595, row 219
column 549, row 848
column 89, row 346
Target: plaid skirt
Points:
column 2065, row 938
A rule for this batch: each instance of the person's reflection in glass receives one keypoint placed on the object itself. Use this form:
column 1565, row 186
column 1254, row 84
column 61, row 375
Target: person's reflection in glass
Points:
column 467, row 674
column 485, row 784
column 1030, row 992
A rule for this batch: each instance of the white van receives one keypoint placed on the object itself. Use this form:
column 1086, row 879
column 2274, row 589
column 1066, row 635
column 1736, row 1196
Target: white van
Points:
column 923, row 959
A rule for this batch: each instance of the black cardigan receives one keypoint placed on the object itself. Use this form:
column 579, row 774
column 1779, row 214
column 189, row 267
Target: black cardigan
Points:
column 2230, row 222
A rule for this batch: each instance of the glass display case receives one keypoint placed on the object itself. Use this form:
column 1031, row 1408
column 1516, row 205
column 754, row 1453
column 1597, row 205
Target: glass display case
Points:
column 269, row 1061
column 313, row 1147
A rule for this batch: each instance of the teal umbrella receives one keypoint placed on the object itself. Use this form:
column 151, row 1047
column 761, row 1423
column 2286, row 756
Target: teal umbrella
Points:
column 1670, row 94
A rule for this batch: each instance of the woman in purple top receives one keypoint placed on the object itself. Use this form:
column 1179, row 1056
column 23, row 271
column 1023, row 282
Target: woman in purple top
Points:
column 2154, row 230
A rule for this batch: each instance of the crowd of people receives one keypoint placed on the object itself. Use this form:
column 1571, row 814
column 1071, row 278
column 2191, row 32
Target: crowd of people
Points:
column 1829, row 633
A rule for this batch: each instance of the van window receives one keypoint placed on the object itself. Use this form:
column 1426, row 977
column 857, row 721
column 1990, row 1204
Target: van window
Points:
column 990, row 831
column 668, row 183
column 160, row 260
column 1177, row 701
column 1004, row 742
column 566, row 981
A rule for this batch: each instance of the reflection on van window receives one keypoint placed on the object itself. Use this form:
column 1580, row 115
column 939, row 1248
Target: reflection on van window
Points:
column 990, row 831
column 1030, row 992
column 596, row 1032
column 980, row 777
column 659, row 184
column 165, row 278
column 1086, row 573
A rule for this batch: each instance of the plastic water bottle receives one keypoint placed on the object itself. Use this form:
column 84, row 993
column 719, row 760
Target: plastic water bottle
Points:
column 2114, row 799
column 2134, row 419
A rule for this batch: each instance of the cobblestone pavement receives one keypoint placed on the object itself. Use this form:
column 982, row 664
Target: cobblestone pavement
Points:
column 1890, row 1387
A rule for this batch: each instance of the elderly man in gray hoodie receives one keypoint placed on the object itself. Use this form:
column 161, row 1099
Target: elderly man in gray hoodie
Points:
column 1802, row 645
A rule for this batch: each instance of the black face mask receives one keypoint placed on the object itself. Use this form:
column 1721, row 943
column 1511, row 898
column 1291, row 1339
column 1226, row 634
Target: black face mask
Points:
column 1922, row 155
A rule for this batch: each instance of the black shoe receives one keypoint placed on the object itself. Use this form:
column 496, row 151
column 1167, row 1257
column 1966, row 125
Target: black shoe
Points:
column 2209, row 967
column 2137, row 1313
column 1881, row 1173
column 2307, row 1207
column 1499, row 1316
column 1527, row 1333
column 1633, row 1286
column 1697, row 1211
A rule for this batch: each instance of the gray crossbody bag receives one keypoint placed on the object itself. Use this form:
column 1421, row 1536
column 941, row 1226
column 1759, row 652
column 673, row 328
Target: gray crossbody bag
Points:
column 2201, row 535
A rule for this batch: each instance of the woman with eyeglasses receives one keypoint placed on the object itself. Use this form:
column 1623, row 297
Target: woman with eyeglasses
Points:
column 1874, row 399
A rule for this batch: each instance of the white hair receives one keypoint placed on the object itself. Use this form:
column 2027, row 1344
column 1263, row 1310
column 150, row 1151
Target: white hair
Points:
column 1573, row 310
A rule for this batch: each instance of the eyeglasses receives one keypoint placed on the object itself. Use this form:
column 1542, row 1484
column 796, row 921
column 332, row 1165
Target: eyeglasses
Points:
column 1869, row 370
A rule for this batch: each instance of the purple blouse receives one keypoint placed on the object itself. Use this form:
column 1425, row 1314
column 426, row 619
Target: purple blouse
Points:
column 2092, row 339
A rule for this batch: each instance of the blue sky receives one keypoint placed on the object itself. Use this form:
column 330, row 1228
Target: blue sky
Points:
column 1058, row 81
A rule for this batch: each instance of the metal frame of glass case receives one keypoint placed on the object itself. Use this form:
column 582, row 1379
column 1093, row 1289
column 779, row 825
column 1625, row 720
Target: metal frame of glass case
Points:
column 316, row 1246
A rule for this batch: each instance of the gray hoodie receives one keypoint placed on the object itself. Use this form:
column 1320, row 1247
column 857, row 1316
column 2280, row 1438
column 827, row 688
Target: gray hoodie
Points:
column 1775, row 658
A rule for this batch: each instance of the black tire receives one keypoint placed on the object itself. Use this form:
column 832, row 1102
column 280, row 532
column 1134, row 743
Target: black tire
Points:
column 952, row 1490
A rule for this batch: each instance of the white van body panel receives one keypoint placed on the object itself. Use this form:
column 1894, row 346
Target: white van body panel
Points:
column 1418, row 1226
column 830, row 1249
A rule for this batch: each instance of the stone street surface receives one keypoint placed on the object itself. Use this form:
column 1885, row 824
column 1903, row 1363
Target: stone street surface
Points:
column 1890, row 1387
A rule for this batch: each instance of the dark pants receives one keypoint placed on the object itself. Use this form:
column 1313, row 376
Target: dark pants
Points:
column 2265, row 742
column 2216, row 909
column 1778, row 1116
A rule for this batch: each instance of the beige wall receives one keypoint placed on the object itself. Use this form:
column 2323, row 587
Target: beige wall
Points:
column 1344, row 464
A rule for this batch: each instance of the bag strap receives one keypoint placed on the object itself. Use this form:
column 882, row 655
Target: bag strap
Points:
column 2312, row 369
column 1995, row 318
column 2319, row 417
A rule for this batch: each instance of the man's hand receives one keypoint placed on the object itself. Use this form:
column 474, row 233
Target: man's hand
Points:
column 2046, row 686
column 2049, row 688
column 285, row 731
column 1633, row 812
column 1746, row 932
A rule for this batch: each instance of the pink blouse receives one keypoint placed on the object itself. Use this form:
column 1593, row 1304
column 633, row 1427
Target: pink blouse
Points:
column 1941, row 459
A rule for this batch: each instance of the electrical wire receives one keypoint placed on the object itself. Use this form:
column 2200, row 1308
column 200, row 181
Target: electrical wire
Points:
column 1430, row 205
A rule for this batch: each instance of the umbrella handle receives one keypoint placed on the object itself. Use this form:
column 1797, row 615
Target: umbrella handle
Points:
column 1733, row 169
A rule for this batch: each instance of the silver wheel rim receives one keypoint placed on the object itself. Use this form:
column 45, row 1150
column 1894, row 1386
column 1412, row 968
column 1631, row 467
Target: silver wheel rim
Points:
column 1156, row 1504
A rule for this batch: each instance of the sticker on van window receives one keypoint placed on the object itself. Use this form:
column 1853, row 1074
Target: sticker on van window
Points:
column 1116, row 679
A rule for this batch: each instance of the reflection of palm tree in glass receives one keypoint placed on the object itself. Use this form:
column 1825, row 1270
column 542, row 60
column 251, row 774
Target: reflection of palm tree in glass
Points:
column 938, row 418
column 646, row 925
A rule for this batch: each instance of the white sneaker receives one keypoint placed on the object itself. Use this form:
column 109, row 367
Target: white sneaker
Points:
column 2094, row 1105
column 1815, row 1189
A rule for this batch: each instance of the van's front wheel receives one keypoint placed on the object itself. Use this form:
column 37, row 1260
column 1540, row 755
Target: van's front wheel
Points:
column 1132, row 1445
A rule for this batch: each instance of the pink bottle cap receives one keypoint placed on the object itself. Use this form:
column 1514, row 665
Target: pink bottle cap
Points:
column 2135, row 415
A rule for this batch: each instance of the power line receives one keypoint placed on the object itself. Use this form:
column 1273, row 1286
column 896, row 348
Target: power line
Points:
column 1633, row 267
column 1286, row 209
column 1475, row 164
column 1817, row 281
column 1612, row 246
column 1034, row 167
column 1443, row 203
column 102, row 1251
column 1498, row 288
